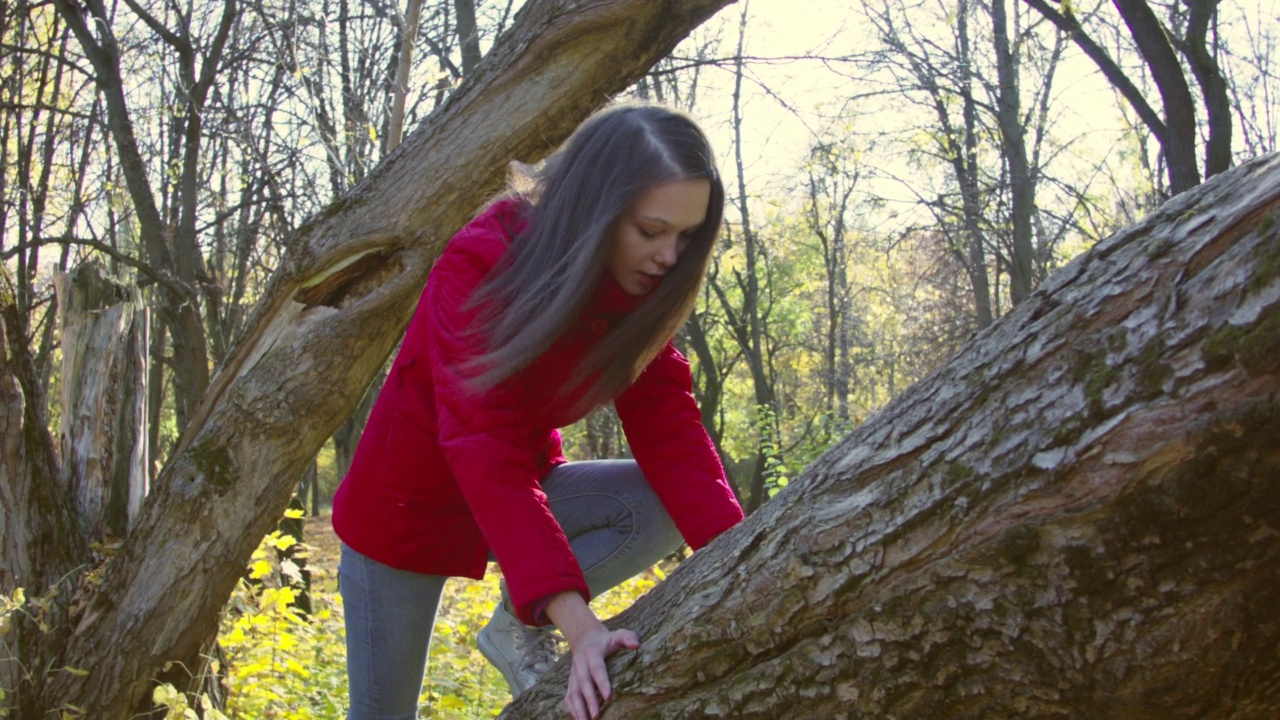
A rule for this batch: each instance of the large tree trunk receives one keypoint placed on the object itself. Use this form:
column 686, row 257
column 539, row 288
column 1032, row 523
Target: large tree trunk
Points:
column 1078, row 517
column 326, row 324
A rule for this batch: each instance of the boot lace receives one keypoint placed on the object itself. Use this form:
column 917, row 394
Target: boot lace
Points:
column 538, row 649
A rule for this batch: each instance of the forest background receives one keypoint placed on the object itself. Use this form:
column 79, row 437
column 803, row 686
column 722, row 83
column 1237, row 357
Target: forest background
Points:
column 900, row 174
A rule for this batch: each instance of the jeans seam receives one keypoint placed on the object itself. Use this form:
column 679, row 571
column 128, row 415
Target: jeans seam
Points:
column 631, row 535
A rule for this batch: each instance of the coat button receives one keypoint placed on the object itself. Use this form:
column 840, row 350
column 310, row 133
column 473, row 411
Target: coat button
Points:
column 598, row 326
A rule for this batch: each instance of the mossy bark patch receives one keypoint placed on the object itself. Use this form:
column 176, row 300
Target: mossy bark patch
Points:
column 1092, row 371
column 1267, row 254
column 1019, row 545
column 1255, row 347
column 1153, row 372
column 214, row 464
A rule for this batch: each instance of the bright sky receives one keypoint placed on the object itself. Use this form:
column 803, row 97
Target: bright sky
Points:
column 776, row 140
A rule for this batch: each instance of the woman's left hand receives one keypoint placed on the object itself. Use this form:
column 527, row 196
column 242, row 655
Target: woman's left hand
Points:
column 589, row 677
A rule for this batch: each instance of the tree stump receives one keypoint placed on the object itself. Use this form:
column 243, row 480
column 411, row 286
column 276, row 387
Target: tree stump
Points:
column 104, row 399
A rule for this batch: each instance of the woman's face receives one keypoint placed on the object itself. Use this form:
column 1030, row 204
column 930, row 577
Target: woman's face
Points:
column 653, row 232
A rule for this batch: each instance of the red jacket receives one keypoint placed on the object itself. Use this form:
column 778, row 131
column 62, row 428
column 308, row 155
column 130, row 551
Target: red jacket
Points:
column 442, row 474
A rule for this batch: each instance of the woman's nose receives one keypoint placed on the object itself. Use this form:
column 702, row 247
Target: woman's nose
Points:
column 667, row 253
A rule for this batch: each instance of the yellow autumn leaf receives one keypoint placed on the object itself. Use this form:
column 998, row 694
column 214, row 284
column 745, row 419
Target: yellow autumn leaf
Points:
column 452, row 702
column 259, row 570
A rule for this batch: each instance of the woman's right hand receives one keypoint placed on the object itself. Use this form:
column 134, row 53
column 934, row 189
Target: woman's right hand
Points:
column 591, row 643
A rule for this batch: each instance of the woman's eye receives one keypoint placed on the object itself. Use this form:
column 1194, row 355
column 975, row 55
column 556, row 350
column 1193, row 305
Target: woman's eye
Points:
column 650, row 234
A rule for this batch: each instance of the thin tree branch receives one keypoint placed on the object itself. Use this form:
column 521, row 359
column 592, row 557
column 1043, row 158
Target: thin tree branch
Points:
column 158, row 277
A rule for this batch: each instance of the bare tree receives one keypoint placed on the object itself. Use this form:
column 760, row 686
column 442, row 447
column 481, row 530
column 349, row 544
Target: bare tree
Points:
column 978, row 100
column 168, row 235
column 409, row 36
column 1253, row 83
column 1200, row 53
column 938, row 80
column 1022, row 186
column 748, row 322
column 832, row 181
column 468, row 34
column 43, row 133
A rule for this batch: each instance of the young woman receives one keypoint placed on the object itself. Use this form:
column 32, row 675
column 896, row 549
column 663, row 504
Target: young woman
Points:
column 554, row 300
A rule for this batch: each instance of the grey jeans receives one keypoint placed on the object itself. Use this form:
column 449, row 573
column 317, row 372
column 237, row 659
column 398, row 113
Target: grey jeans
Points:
column 615, row 524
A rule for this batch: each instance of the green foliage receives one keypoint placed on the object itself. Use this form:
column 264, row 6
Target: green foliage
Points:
column 776, row 476
column 280, row 663
column 177, row 707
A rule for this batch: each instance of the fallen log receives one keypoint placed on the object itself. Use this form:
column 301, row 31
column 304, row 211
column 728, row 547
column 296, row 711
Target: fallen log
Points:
column 1077, row 517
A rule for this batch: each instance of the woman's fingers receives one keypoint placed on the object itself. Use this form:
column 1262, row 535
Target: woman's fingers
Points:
column 589, row 675
column 593, row 677
column 598, row 681
column 574, row 704
column 575, row 701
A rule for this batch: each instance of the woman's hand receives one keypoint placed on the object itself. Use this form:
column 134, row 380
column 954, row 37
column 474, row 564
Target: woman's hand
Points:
column 589, row 678
column 591, row 643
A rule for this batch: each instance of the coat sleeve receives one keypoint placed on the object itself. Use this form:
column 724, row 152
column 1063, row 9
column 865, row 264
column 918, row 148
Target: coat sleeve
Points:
column 487, row 440
column 664, row 428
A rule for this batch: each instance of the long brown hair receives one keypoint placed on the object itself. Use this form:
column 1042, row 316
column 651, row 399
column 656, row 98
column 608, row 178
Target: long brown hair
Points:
column 554, row 266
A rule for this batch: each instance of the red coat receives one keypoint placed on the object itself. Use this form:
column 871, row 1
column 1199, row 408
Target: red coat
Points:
column 441, row 476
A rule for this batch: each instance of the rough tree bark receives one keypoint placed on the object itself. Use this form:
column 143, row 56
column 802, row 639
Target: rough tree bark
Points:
column 327, row 322
column 1077, row 517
